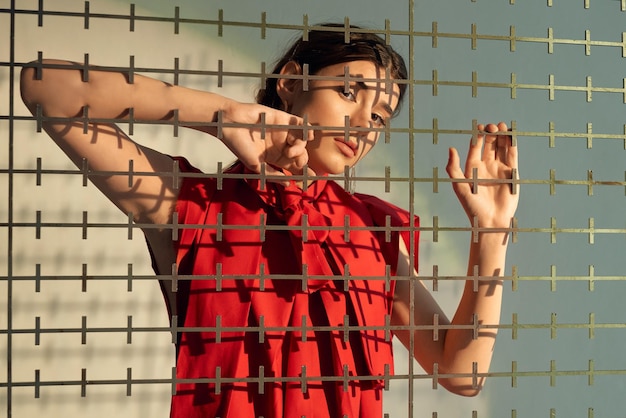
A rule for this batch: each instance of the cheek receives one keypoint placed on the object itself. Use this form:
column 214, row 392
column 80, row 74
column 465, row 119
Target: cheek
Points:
column 321, row 110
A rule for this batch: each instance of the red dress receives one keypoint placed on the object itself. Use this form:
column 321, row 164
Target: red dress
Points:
column 269, row 279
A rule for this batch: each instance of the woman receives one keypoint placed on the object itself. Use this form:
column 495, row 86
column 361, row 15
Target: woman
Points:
column 283, row 286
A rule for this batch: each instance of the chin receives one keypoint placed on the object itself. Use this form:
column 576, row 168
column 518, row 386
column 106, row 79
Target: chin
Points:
column 328, row 160
column 328, row 169
column 335, row 171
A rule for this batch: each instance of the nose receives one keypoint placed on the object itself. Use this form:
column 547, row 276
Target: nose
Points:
column 361, row 117
column 361, row 123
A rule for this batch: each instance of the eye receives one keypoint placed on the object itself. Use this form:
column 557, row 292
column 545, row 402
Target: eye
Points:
column 378, row 119
column 350, row 94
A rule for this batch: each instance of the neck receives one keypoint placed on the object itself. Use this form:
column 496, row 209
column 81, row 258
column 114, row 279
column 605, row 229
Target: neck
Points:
column 305, row 179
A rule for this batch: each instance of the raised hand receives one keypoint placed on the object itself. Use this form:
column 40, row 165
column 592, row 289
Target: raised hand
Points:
column 492, row 156
column 258, row 134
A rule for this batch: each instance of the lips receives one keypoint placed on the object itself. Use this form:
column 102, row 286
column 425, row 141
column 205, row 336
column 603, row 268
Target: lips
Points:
column 347, row 148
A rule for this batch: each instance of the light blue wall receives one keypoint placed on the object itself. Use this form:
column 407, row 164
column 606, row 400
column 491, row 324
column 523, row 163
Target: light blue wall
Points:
column 570, row 393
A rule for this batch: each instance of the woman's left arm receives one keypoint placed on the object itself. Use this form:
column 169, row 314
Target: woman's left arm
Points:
column 463, row 351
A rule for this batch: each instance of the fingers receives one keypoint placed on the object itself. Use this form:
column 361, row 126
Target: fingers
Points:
column 296, row 152
column 284, row 144
column 453, row 168
column 299, row 133
column 267, row 139
column 491, row 152
column 503, row 142
column 293, row 165
column 476, row 145
column 511, row 157
column 295, row 142
column 508, row 149
column 493, row 143
column 294, row 155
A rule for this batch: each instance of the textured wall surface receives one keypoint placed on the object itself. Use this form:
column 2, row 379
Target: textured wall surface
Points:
column 83, row 328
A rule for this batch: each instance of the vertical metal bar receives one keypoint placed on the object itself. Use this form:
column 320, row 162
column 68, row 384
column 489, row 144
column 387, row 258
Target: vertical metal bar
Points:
column 10, row 211
column 411, row 153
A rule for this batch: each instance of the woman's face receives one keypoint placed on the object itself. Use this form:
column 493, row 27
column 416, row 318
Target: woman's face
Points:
column 348, row 111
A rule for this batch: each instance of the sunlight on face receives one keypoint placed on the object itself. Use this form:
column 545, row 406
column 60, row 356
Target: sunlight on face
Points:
column 348, row 104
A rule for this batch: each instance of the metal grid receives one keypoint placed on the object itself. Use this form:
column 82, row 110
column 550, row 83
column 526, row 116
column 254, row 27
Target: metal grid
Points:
column 571, row 269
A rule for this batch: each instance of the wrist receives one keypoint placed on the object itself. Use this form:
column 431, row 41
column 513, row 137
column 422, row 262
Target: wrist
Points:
column 482, row 226
column 201, row 111
column 489, row 240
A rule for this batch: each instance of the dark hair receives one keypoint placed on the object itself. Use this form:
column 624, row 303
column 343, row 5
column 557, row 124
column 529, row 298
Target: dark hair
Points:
column 325, row 47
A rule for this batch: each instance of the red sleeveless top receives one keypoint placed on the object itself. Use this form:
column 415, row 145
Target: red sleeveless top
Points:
column 269, row 280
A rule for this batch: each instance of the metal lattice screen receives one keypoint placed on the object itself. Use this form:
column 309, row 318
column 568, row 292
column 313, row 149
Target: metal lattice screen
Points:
column 84, row 329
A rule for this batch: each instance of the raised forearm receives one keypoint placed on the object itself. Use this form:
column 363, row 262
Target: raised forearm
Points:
column 61, row 89
column 471, row 339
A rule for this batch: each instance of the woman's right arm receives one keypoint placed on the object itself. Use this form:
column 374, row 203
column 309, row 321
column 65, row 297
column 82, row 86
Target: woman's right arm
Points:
column 78, row 115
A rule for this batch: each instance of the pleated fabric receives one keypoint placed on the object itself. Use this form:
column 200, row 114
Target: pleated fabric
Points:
column 284, row 298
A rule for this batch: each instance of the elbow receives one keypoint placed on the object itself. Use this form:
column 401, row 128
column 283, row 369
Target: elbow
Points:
column 466, row 387
column 34, row 90
column 463, row 379
column 27, row 83
column 56, row 90
column 467, row 392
